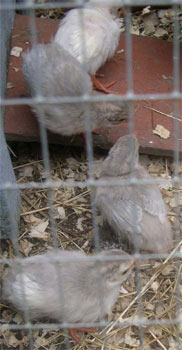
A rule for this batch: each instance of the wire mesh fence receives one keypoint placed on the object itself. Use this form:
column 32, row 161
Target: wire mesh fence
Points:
column 75, row 291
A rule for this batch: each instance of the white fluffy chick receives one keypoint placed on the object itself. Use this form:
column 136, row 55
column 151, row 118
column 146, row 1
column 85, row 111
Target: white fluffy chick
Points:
column 70, row 289
column 91, row 35
column 136, row 213
column 61, row 75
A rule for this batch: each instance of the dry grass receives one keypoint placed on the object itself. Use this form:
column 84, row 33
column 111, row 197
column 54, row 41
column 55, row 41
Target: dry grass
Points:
column 73, row 222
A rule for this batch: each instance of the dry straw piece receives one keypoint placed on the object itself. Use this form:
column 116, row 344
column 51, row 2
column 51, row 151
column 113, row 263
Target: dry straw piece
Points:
column 158, row 279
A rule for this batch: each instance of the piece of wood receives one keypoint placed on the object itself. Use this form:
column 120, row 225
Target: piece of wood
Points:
column 152, row 73
column 9, row 199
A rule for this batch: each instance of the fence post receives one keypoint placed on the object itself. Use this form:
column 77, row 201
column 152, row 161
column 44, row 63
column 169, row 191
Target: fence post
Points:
column 9, row 199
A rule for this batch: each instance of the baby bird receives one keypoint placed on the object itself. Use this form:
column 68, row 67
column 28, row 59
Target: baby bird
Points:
column 70, row 289
column 98, row 37
column 136, row 213
column 59, row 74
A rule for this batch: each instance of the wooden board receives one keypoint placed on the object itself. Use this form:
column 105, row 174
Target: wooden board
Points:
column 152, row 72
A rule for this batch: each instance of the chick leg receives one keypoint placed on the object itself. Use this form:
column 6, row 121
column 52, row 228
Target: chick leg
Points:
column 99, row 86
column 72, row 332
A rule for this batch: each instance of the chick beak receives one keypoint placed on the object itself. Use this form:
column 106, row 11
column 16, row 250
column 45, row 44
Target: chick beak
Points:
column 121, row 12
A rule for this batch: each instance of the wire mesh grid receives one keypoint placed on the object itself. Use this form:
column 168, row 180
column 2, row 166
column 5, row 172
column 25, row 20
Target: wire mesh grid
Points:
column 139, row 319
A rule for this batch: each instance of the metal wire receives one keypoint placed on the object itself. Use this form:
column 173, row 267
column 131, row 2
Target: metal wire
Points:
column 175, row 96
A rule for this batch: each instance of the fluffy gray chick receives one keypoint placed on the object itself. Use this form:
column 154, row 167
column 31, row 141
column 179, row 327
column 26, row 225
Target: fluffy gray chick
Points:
column 72, row 289
column 60, row 74
column 137, row 213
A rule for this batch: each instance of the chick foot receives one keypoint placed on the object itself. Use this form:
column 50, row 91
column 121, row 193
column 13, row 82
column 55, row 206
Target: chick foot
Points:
column 99, row 86
column 72, row 332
